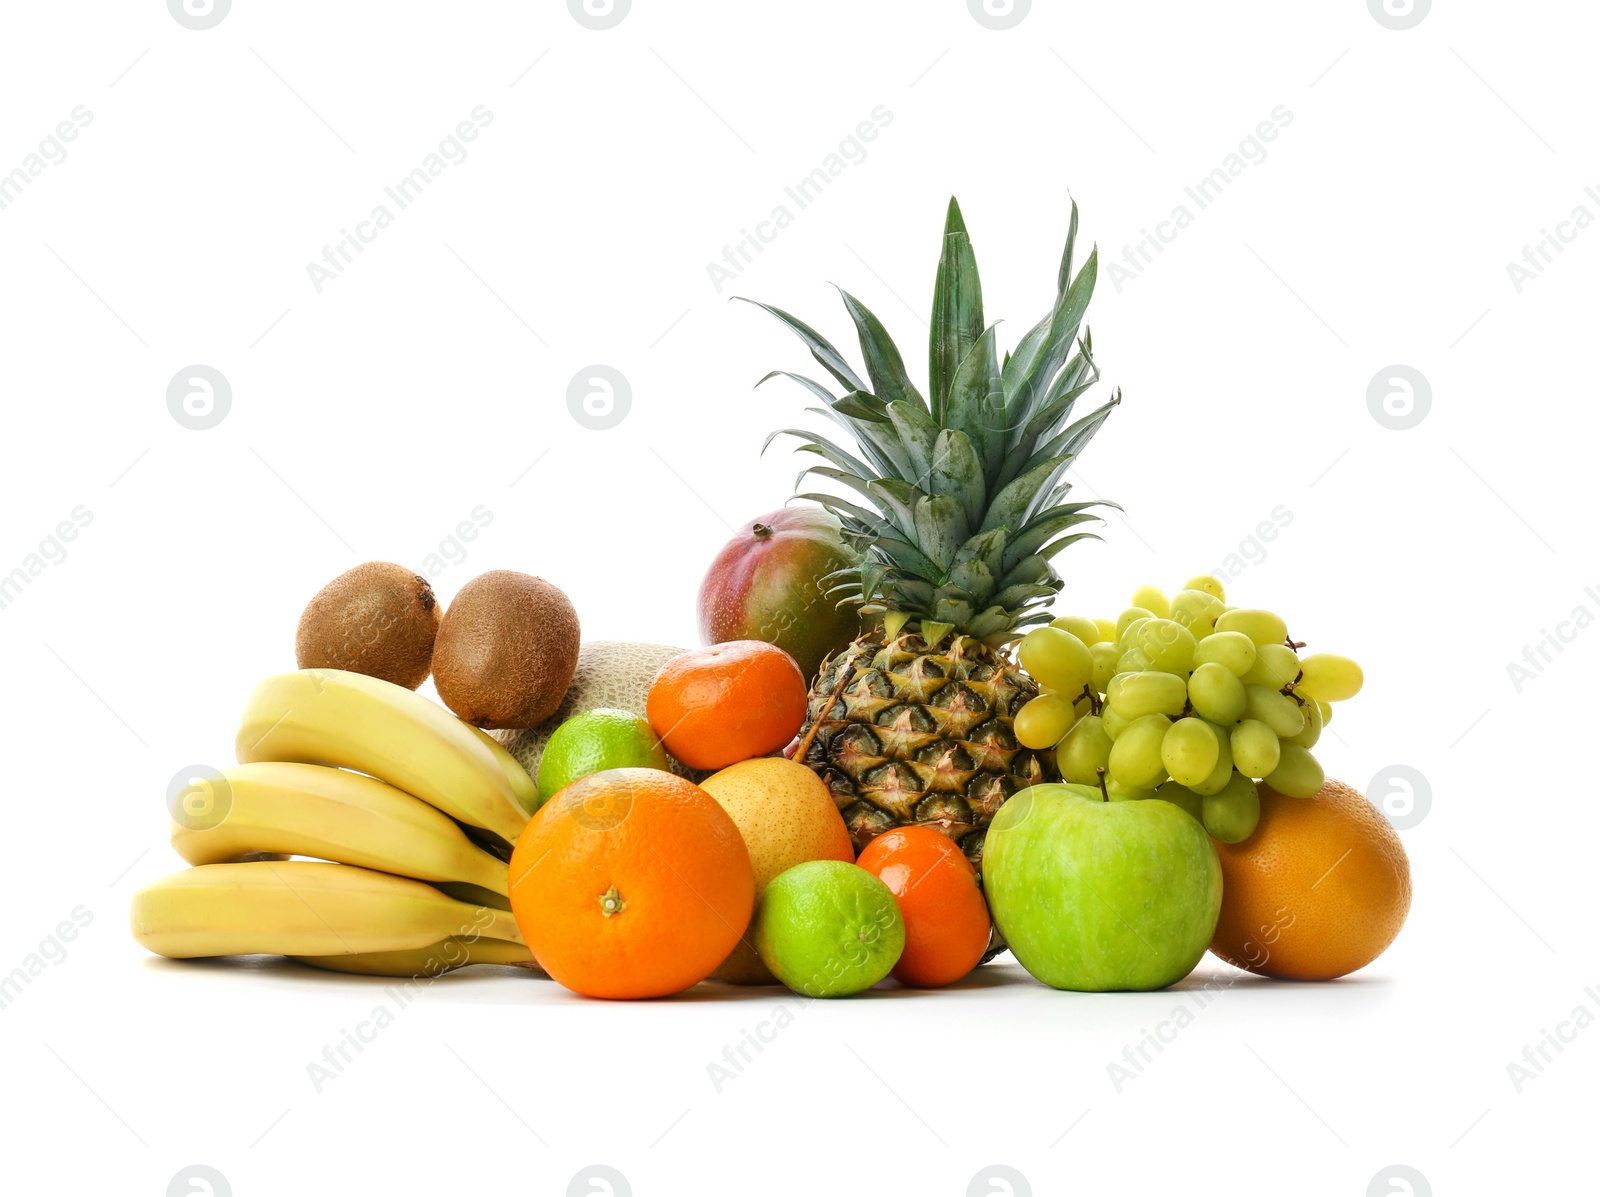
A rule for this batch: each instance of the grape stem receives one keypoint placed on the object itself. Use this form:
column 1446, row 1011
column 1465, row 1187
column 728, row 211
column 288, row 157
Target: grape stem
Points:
column 1101, row 774
column 1094, row 699
column 1289, row 689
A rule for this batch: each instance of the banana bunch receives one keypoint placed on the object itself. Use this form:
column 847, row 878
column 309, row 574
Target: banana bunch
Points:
column 410, row 815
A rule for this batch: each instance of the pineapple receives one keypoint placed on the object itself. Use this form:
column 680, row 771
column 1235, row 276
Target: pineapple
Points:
column 958, row 503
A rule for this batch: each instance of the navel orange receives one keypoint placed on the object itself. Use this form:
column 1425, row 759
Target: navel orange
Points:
column 1319, row 890
column 631, row 883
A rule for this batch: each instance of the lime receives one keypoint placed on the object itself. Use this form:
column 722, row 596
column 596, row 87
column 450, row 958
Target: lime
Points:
column 604, row 738
column 829, row 929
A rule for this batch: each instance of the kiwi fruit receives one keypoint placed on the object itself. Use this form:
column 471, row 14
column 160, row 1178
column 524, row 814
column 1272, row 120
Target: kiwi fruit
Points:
column 379, row 619
column 506, row 651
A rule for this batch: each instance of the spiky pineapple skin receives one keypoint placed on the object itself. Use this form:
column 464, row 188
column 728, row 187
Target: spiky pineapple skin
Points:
column 921, row 737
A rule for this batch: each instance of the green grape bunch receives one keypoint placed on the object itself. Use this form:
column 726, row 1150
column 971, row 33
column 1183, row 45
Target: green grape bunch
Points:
column 1184, row 699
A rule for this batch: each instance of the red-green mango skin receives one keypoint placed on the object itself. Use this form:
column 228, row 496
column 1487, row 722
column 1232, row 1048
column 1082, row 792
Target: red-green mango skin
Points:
column 1097, row 896
column 769, row 587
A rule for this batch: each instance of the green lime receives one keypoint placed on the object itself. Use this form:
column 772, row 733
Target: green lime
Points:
column 604, row 738
column 829, row 929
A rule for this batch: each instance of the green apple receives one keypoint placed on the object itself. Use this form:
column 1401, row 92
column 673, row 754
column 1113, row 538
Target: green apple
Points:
column 1095, row 895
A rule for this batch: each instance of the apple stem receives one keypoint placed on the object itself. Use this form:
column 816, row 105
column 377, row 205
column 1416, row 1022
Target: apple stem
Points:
column 1104, row 796
column 761, row 531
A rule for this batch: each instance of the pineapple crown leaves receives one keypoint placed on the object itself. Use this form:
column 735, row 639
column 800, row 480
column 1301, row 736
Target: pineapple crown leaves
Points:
column 957, row 499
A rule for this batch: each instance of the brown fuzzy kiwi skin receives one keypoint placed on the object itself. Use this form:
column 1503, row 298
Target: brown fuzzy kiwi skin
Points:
column 507, row 650
column 380, row 619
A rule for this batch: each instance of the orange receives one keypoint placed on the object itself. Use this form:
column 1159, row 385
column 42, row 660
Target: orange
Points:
column 715, row 706
column 631, row 883
column 1319, row 890
column 947, row 920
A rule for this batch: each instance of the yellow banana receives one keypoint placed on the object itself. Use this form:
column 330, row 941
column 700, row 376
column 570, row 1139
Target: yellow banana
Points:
column 432, row 961
column 352, row 721
column 311, row 810
column 302, row 908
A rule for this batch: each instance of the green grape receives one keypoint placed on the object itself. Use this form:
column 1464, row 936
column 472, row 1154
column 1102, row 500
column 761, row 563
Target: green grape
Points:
column 1056, row 659
column 1128, row 616
column 1105, row 656
column 1234, row 650
column 1330, row 677
column 1276, row 666
column 1298, row 774
column 1148, row 693
column 1134, row 660
column 1108, row 629
column 1195, row 606
column 1189, row 751
column 1086, row 749
column 1325, row 707
column 1278, row 711
column 1112, row 721
column 1136, row 754
column 1231, row 814
column 1215, row 694
column 1153, row 599
column 1312, row 732
column 1224, row 768
column 1255, row 748
column 1261, row 626
column 1083, row 628
column 1118, row 792
column 1130, row 634
column 1206, row 584
column 1044, row 720
column 1180, row 795
column 1182, row 674
column 1169, row 645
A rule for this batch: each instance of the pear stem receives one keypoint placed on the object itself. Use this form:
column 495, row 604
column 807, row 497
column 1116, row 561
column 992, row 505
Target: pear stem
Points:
column 1104, row 796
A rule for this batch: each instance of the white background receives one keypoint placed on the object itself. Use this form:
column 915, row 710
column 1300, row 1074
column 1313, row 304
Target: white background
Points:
column 430, row 378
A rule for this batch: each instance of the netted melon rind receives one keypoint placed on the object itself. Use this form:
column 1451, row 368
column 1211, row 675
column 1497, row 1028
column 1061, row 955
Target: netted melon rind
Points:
column 610, row 673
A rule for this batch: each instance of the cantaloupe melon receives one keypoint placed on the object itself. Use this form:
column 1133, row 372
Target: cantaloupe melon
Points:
column 610, row 673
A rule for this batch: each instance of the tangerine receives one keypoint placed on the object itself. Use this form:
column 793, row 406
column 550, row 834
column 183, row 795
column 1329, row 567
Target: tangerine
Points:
column 716, row 706
column 936, row 887
column 631, row 883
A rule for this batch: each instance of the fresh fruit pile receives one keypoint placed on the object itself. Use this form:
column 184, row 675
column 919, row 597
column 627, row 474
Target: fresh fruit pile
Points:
column 1186, row 699
column 890, row 760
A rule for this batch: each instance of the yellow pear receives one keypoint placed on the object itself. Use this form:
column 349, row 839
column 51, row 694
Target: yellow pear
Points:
column 787, row 817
